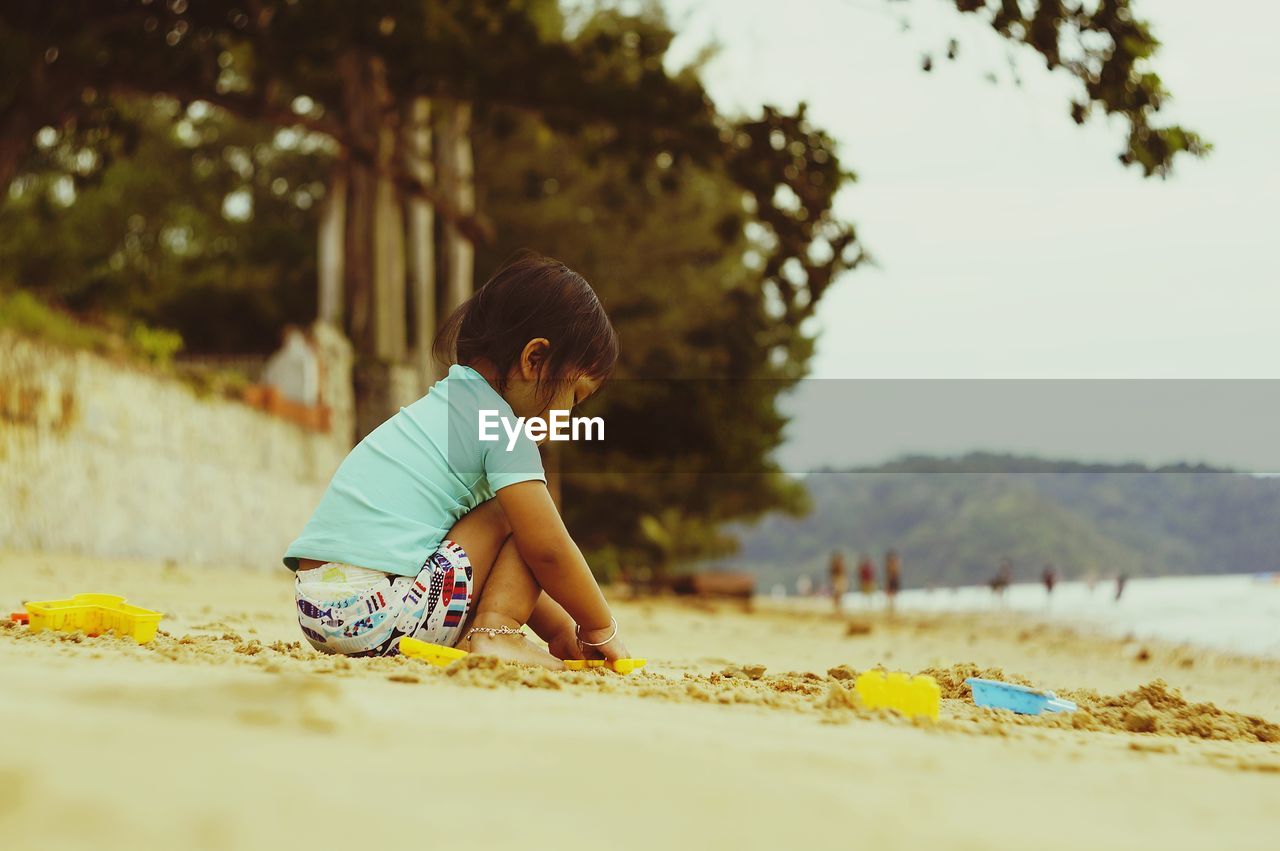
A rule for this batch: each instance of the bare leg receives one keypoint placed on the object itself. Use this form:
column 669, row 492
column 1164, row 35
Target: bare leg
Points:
column 554, row 626
column 481, row 533
column 549, row 619
column 508, row 598
column 504, row 588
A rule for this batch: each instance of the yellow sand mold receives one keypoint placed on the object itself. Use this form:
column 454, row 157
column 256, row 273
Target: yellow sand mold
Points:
column 621, row 666
column 912, row 696
column 436, row 654
column 95, row 614
column 441, row 656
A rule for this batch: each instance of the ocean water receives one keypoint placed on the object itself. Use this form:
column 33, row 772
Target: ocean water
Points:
column 1236, row 613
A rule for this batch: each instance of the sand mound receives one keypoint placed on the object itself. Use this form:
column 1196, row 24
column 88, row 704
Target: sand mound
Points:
column 951, row 680
column 1156, row 708
column 1153, row 709
column 487, row 672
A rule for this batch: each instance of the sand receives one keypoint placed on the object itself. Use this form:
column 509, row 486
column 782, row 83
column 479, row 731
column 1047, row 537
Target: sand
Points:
column 743, row 731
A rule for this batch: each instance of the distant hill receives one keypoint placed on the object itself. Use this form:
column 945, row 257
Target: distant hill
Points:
column 953, row 520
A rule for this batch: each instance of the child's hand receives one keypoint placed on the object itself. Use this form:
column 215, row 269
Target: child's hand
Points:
column 611, row 650
column 564, row 644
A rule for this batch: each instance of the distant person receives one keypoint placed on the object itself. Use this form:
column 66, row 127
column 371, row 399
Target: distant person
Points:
column 1049, row 578
column 294, row 369
column 1120, row 583
column 322, row 372
column 866, row 576
column 839, row 580
column 1091, row 580
column 804, row 585
column 892, row 577
column 1003, row 579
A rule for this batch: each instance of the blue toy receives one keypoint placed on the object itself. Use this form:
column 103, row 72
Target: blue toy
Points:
column 1021, row 699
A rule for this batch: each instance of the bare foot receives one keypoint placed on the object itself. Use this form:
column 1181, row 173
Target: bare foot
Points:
column 514, row 648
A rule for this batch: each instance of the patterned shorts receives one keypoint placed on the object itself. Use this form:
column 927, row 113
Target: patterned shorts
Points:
column 360, row 612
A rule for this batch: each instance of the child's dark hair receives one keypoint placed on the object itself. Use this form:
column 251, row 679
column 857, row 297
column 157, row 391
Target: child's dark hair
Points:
column 532, row 296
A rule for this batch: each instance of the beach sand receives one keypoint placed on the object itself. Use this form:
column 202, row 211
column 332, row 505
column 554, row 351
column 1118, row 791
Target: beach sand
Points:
column 226, row 732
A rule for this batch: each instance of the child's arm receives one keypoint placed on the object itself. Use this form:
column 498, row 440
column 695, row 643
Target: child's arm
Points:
column 557, row 563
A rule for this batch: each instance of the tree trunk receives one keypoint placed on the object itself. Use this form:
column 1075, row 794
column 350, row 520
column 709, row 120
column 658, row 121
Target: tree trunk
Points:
column 388, row 235
column 421, row 239
column 362, row 122
column 330, row 265
column 13, row 145
column 458, row 191
column 374, row 269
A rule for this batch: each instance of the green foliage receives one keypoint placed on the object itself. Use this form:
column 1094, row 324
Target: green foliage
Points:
column 155, row 344
column 145, row 236
column 953, row 520
column 24, row 314
column 664, row 245
column 707, row 279
column 1108, row 49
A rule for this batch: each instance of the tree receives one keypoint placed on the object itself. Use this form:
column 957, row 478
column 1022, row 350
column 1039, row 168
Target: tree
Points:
column 187, row 219
column 711, row 237
column 276, row 61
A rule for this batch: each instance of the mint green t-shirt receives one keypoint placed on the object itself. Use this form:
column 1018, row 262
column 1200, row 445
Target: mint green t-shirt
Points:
column 399, row 492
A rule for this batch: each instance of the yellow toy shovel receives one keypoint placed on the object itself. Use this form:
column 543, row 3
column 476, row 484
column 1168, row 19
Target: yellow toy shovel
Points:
column 621, row 666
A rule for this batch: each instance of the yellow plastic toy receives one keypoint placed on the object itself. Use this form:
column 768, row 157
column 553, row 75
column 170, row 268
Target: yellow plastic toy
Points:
column 621, row 666
column 436, row 654
column 443, row 657
column 912, row 696
column 95, row 614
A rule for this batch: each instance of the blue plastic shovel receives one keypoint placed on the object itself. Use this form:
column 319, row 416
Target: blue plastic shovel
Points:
column 1021, row 699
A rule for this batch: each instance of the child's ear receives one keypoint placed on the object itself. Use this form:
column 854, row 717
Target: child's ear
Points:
column 534, row 358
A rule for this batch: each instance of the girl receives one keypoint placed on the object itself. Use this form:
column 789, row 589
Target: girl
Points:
column 429, row 531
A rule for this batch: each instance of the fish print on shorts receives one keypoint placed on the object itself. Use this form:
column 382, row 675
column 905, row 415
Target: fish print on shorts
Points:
column 446, row 587
column 433, row 595
column 312, row 634
column 313, row 611
column 364, row 625
column 415, row 593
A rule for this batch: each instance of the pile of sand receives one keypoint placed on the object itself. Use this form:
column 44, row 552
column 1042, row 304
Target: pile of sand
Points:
column 227, row 711
column 1153, row 709
column 1156, row 708
column 951, row 679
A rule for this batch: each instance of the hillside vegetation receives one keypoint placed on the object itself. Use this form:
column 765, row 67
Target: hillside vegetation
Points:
column 953, row 520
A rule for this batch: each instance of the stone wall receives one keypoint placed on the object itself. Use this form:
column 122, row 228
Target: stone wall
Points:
column 102, row 458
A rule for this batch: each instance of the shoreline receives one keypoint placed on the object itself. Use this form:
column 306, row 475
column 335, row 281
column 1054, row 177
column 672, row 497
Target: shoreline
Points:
column 1228, row 612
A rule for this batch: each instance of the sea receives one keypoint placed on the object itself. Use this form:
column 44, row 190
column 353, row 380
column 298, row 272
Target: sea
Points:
column 1238, row 613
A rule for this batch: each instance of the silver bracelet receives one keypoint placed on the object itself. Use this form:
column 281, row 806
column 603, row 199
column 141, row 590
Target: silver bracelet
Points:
column 577, row 631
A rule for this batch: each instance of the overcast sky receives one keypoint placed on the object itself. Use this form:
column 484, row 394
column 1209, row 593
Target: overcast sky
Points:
column 1011, row 242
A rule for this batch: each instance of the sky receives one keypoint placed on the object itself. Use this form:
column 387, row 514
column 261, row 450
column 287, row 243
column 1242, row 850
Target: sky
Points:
column 1010, row 242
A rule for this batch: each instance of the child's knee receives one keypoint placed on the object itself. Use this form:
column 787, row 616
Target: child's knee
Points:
column 494, row 518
